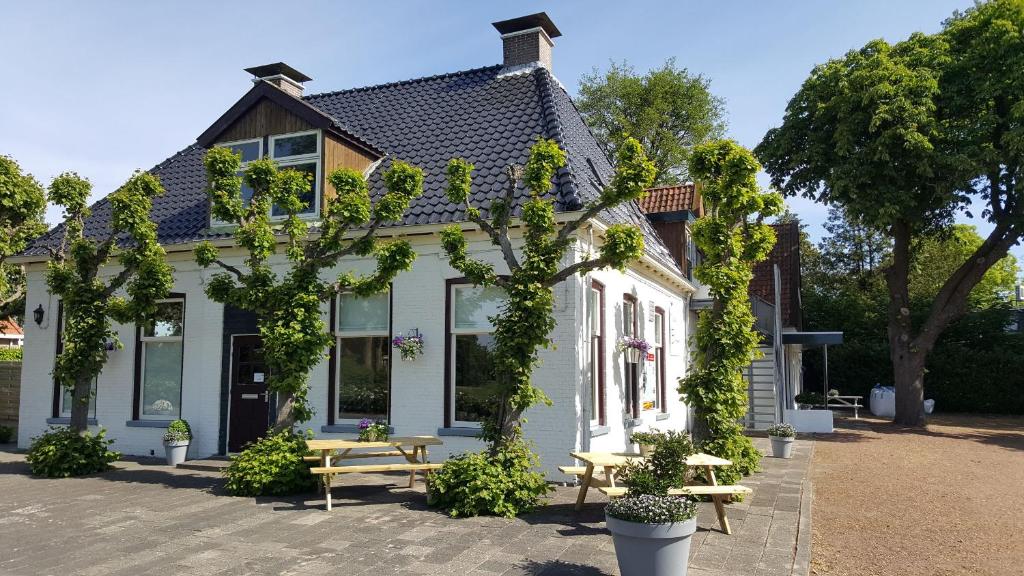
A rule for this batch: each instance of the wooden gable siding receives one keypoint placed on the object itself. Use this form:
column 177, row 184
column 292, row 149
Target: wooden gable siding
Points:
column 263, row 119
column 674, row 236
column 337, row 154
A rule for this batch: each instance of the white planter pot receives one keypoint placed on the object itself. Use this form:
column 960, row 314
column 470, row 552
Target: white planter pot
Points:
column 646, row 449
column 632, row 355
column 651, row 549
column 176, row 452
column 782, row 447
column 817, row 421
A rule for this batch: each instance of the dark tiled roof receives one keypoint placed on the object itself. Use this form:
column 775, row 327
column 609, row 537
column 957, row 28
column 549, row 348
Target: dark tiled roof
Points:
column 785, row 253
column 488, row 116
column 676, row 198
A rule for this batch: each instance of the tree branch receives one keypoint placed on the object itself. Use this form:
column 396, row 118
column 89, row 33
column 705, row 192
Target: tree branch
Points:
column 577, row 268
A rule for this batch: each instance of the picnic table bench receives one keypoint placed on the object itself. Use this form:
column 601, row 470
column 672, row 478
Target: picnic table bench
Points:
column 609, row 462
column 333, row 451
column 844, row 402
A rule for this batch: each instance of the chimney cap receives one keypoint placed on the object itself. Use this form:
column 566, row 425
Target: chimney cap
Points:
column 279, row 68
column 538, row 20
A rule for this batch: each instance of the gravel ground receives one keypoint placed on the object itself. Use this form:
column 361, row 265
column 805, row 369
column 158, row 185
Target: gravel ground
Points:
column 946, row 500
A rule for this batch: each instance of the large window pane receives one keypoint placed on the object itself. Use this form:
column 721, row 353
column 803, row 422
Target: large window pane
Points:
column 249, row 150
column 474, row 305
column 295, row 145
column 476, row 388
column 161, row 379
column 65, row 403
column 363, row 377
column 167, row 321
column 369, row 314
column 308, row 199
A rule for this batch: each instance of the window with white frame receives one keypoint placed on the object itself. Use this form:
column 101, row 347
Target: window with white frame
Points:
column 632, row 375
column 658, row 348
column 299, row 152
column 249, row 150
column 66, row 393
column 595, row 324
column 474, row 386
column 162, row 342
column 364, row 356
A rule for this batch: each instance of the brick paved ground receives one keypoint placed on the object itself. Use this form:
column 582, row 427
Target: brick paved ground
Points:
column 146, row 519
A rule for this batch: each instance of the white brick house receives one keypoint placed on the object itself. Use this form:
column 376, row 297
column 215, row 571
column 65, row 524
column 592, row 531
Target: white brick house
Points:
column 200, row 362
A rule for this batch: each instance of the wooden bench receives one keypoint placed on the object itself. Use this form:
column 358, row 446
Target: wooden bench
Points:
column 721, row 490
column 328, row 472
column 573, row 470
column 379, row 454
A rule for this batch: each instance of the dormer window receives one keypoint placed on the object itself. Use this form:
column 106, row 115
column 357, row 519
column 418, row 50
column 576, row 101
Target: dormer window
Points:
column 250, row 150
column 300, row 152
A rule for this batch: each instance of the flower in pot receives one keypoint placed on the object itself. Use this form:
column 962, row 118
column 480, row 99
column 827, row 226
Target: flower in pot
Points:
column 409, row 347
column 635, row 348
column 650, row 529
column 782, row 436
column 176, row 441
column 647, row 440
column 373, row 431
column 833, row 393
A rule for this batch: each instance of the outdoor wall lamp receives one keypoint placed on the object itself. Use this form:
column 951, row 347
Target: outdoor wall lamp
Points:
column 37, row 315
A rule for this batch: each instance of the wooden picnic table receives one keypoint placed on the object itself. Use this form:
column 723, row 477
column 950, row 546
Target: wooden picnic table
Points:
column 844, row 402
column 609, row 462
column 332, row 451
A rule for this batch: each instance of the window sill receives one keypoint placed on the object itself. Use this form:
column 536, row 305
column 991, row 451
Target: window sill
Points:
column 347, row 429
column 461, row 431
column 663, row 416
column 148, row 423
column 67, row 421
column 633, row 422
column 599, row 431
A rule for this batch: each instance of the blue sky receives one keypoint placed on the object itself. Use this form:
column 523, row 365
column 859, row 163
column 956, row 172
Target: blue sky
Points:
column 104, row 88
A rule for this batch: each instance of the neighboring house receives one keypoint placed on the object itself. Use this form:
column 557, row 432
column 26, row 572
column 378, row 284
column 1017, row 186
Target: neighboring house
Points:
column 11, row 335
column 201, row 360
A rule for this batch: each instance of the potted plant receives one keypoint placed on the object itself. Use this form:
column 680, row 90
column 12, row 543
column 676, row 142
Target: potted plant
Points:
column 808, row 400
column 647, row 440
column 373, row 431
column 409, row 347
column 782, row 436
column 635, row 348
column 176, row 441
column 650, row 529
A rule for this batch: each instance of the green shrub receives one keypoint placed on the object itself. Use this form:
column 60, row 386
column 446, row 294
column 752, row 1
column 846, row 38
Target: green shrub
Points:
column 271, row 466
column 11, row 354
column 478, row 483
column 6, row 434
column 649, row 438
column 178, row 431
column 60, row 453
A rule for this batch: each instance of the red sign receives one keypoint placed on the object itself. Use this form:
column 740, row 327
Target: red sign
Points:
column 650, row 356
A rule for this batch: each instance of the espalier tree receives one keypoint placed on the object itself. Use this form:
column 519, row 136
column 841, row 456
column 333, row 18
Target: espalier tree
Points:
column 91, row 301
column 733, row 237
column 526, row 317
column 22, row 204
column 287, row 306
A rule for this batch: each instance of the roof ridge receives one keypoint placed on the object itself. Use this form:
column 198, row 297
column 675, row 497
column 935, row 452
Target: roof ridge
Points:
column 401, row 82
column 666, row 186
column 570, row 199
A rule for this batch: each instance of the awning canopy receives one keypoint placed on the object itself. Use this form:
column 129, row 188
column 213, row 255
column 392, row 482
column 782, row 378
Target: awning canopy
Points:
column 813, row 338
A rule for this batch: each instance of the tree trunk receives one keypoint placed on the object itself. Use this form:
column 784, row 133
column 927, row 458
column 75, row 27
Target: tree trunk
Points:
column 701, row 432
column 80, row 400
column 284, row 419
column 907, row 360
column 908, row 373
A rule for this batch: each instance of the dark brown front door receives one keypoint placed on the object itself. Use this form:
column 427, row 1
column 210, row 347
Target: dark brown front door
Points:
column 250, row 403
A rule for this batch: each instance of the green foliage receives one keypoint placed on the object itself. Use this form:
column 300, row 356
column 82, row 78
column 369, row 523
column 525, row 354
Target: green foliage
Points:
column 11, row 354
column 665, row 468
column 668, row 109
column 494, row 483
column 810, row 398
column 651, row 509
column 733, row 238
column 91, row 302
column 936, row 257
column 271, row 466
column 6, row 434
column 22, row 206
column 649, row 438
column 178, row 431
column 288, row 305
column 63, row 452
column 782, row 430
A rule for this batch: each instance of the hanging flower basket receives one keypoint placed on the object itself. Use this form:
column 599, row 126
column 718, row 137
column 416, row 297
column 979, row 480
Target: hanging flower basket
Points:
column 409, row 347
column 634, row 348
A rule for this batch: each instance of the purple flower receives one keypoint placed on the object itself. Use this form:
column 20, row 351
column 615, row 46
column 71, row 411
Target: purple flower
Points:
column 637, row 343
column 365, row 423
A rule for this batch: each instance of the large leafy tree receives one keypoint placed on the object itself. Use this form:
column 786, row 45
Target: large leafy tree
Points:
column 22, row 204
column 287, row 305
column 91, row 298
column 903, row 137
column 668, row 110
column 526, row 317
column 733, row 237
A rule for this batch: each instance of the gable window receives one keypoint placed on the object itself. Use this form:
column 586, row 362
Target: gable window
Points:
column 364, row 356
column 631, row 380
column 595, row 360
column 62, row 395
column 249, row 150
column 299, row 152
column 473, row 385
column 160, row 347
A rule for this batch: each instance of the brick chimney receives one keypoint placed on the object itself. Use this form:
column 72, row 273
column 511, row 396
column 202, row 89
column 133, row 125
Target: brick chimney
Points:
column 281, row 75
column 527, row 40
